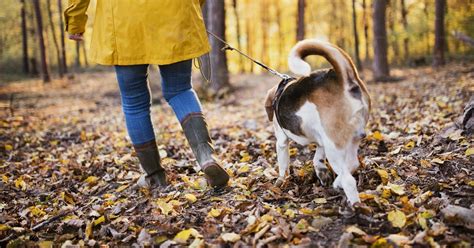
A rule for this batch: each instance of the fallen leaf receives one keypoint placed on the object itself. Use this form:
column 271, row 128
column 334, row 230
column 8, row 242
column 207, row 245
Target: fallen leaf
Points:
column 215, row 212
column 99, row 220
column 190, row 198
column 164, row 207
column 469, row 151
column 397, row 189
column 383, row 175
column 397, row 218
column 230, row 237
column 183, row 236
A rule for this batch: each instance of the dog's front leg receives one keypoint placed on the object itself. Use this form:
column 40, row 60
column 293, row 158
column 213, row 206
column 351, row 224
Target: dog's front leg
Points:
column 283, row 154
column 322, row 172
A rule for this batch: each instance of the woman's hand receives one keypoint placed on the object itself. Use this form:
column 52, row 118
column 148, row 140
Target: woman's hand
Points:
column 76, row 37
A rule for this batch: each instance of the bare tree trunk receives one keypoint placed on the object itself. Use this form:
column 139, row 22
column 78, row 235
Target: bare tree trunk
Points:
column 264, row 31
column 440, row 36
column 366, row 30
column 406, row 51
column 24, row 33
column 84, row 53
column 381, row 69
column 393, row 33
column 220, row 73
column 300, row 20
column 39, row 22
column 205, row 59
column 55, row 40
column 281, row 36
column 237, row 27
column 63, row 42
column 78, row 54
column 427, row 34
column 250, row 43
column 356, row 36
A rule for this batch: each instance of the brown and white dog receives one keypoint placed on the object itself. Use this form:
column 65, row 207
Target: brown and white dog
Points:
column 329, row 107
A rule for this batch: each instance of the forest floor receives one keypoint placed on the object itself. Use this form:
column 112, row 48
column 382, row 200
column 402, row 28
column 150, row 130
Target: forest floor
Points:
column 68, row 173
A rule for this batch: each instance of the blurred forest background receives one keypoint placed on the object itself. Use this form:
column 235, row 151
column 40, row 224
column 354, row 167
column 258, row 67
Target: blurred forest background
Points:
column 32, row 41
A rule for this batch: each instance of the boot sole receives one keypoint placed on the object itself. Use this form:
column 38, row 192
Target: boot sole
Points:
column 215, row 175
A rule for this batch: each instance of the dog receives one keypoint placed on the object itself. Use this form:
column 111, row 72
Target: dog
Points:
column 329, row 107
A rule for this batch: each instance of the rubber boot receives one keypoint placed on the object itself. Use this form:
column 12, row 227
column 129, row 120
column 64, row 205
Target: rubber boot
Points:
column 195, row 129
column 149, row 158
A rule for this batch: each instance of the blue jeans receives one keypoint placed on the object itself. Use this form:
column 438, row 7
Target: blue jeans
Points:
column 136, row 98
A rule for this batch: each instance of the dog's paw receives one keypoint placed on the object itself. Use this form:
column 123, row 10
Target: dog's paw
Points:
column 279, row 182
column 325, row 176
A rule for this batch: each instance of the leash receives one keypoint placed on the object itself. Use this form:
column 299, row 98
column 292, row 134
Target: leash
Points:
column 285, row 78
column 264, row 66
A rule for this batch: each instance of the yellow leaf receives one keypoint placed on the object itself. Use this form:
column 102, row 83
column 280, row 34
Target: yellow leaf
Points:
column 380, row 243
column 306, row 211
column 36, row 211
column 5, row 178
column 320, row 200
column 397, row 218
column 91, row 180
column 245, row 157
column 19, row 183
column 383, row 175
column 268, row 218
column 45, row 244
column 302, row 225
column 293, row 151
column 377, row 135
column 397, row 189
column 89, row 230
column 290, row 213
column 471, row 183
column 365, row 196
column 83, row 136
column 410, row 145
column 165, row 207
column 469, row 151
column 99, row 220
column 183, row 236
column 230, row 237
column 121, row 188
column 190, row 198
column 215, row 212
column 243, row 169
column 8, row 147
column 4, row 227
column 67, row 198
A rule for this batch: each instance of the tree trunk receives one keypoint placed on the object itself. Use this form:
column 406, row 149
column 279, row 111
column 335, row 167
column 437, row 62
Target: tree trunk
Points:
column 440, row 36
column 78, row 54
column 39, row 24
column 281, row 36
column 300, row 21
column 237, row 27
column 427, row 34
column 366, row 30
column 356, row 36
column 63, row 40
column 381, row 69
column 406, row 50
column 249, row 35
column 24, row 33
column 55, row 40
column 264, row 31
column 220, row 73
column 392, row 7
column 205, row 65
column 84, row 53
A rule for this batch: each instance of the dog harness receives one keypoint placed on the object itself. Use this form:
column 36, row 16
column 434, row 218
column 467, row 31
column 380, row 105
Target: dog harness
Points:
column 279, row 92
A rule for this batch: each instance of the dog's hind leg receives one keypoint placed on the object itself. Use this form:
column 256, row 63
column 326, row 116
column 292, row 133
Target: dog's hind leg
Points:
column 344, row 178
column 322, row 172
column 283, row 154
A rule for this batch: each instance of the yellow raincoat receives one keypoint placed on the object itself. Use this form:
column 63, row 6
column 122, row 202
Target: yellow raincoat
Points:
column 130, row 32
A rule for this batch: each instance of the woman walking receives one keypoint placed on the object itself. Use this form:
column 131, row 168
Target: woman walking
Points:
column 130, row 35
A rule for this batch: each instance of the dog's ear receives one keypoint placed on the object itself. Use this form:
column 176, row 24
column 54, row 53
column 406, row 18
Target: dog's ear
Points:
column 268, row 102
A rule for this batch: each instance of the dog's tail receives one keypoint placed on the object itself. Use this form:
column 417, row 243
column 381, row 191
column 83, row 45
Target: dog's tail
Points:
column 340, row 61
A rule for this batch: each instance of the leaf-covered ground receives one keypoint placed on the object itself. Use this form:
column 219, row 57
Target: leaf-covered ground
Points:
column 68, row 172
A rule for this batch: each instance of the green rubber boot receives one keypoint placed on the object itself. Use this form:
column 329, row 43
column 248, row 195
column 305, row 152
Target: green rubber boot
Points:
column 149, row 158
column 195, row 129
